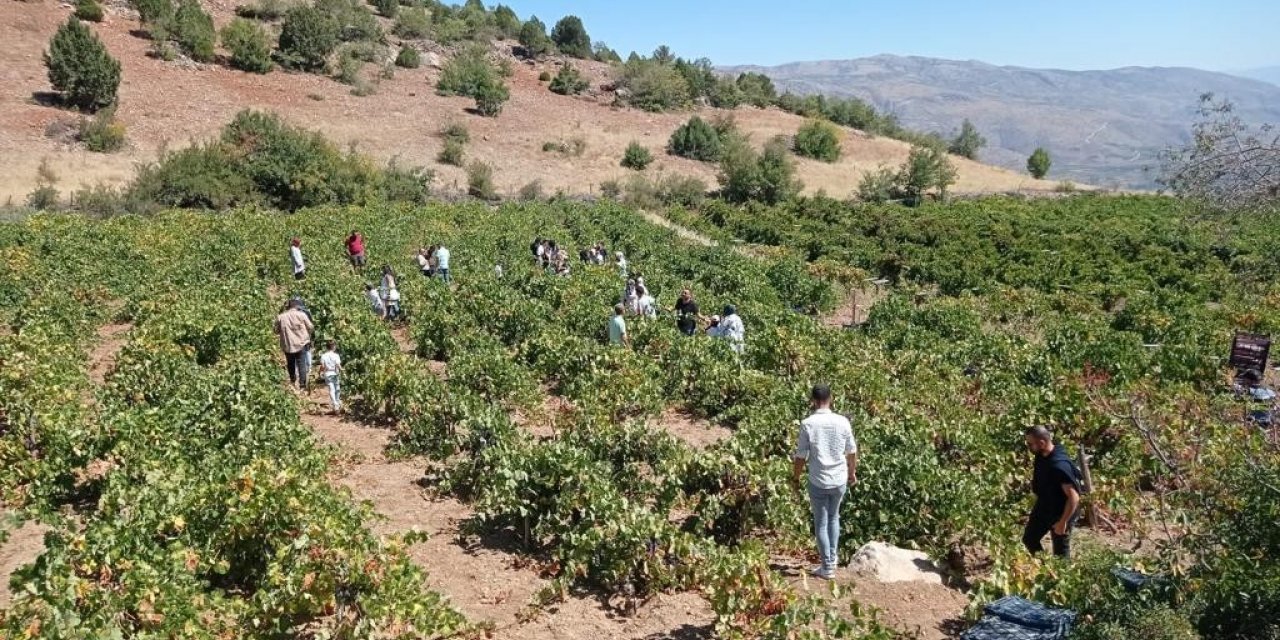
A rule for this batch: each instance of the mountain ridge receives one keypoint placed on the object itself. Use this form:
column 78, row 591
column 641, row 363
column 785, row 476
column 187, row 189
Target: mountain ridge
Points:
column 1105, row 127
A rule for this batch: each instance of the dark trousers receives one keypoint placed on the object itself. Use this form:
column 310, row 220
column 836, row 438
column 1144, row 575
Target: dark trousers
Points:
column 296, row 363
column 1040, row 523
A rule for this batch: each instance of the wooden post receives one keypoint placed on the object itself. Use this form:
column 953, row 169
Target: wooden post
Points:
column 1090, row 511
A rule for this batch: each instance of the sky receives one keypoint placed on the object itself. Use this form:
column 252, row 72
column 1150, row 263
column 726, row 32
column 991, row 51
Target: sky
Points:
column 1219, row 35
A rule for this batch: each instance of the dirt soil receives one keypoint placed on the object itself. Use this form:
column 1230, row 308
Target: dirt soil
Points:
column 111, row 339
column 169, row 104
column 931, row 611
column 694, row 431
column 486, row 579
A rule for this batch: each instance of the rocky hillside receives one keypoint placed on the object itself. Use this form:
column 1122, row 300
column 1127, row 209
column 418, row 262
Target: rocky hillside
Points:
column 1102, row 127
column 172, row 103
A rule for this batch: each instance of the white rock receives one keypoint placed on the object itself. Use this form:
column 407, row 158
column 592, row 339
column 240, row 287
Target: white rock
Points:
column 887, row 563
column 432, row 60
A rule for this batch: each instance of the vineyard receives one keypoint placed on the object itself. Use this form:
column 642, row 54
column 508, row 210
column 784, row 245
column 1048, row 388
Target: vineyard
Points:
column 187, row 492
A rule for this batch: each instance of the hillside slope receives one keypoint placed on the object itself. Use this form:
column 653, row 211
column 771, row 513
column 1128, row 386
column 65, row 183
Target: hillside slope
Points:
column 1102, row 127
column 171, row 103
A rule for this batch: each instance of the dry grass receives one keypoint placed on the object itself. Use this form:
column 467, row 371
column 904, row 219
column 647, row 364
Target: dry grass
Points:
column 165, row 103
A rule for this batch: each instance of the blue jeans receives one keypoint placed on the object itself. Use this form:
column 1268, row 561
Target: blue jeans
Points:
column 444, row 275
column 826, row 522
column 335, row 391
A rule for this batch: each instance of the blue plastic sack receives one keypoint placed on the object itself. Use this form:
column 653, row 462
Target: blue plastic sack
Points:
column 1032, row 615
column 992, row 628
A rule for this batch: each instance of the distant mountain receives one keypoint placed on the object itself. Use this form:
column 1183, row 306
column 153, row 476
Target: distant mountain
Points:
column 1265, row 74
column 1102, row 127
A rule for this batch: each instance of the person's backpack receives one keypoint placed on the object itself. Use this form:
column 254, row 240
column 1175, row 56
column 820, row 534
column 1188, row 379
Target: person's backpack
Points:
column 1078, row 478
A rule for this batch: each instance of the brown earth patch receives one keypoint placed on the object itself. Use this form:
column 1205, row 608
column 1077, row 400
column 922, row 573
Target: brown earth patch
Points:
column 693, row 431
column 24, row 545
column 681, row 616
column 111, row 339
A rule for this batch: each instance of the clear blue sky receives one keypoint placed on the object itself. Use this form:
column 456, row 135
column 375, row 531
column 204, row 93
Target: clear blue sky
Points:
column 1084, row 34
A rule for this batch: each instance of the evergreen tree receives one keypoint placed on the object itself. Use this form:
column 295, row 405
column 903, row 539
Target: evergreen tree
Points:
column 80, row 67
column 696, row 140
column 307, row 38
column 1039, row 162
column 968, row 142
column 571, row 37
column 533, row 37
column 819, row 140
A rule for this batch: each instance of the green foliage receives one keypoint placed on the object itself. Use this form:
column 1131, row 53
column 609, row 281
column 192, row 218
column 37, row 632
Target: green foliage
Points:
column 89, row 10
column 757, row 89
column 467, row 72
column 533, row 38
column 696, row 140
column 153, row 12
column 354, row 20
column 879, row 186
column 102, row 133
column 926, row 170
column 80, row 67
column 507, row 22
column 725, row 94
column 413, row 23
column 968, row 142
column 637, row 157
column 574, row 147
column 531, row 192
column 545, row 76
column 45, row 196
column 408, row 57
column 654, row 87
column 660, row 191
column 452, row 153
column 818, row 140
column 249, row 45
column 387, row 8
column 570, row 37
column 490, row 96
column 269, row 10
column 602, row 53
column 480, row 181
column 456, row 132
column 307, row 37
column 260, row 158
column 192, row 28
column 767, row 177
column 1038, row 163
column 568, row 81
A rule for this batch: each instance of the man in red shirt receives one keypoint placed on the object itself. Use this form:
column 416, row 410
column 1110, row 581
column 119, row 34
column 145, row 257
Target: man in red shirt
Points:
column 355, row 249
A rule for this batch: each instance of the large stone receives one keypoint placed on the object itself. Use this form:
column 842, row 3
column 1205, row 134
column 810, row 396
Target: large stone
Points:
column 887, row 563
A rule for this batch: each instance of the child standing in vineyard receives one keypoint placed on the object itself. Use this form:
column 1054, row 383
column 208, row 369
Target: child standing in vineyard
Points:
column 295, row 258
column 375, row 301
column 331, row 368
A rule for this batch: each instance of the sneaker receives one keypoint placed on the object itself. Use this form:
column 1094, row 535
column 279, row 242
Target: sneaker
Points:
column 823, row 573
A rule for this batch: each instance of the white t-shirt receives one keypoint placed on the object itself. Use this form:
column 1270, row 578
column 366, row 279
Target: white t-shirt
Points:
column 442, row 258
column 295, row 254
column 647, row 307
column 825, row 439
column 375, row 299
column 330, row 363
column 393, row 295
column 423, row 262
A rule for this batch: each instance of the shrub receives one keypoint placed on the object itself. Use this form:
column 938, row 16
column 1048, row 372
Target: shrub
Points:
column 575, row 147
column 413, row 23
column 507, row 22
column 480, row 181
column 767, row 177
column 570, row 37
column 262, row 10
column 1157, row 623
column 193, row 29
column 452, row 153
column 668, row 190
column 1066, row 186
column 307, row 38
column 490, row 96
column 456, row 131
column 99, row 200
column 818, row 140
column 349, row 66
column 568, row 81
column 531, row 192
column 89, row 10
column 637, row 157
column 757, row 89
column 153, row 12
column 879, row 186
column 249, row 45
column 406, row 184
column 409, row 58
column 387, row 8
column 695, row 139
column 610, row 189
column 968, row 142
column 725, row 94
column 80, row 67
column 45, row 196
column 602, row 53
column 927, row 168
column 533, row 38
column 1039, row 163
column 355, row 22
column 466, row 72
column 654, row 87
column 545, row 76
column 102, row 133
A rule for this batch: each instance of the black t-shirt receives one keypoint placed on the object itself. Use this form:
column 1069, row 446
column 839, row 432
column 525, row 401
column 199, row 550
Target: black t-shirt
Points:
column 687, row 316
column 1047, row 477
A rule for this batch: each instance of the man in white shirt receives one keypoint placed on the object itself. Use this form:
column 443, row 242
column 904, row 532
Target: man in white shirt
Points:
column 827, row 448
column 331, row 368
column 442, row 263
column 730, row 328
column 295, row 258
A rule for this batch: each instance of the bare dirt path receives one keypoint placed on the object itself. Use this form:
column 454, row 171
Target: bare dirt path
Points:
column 930, row 611
column 693, row 431
column 683, row 232
column 485, row 579
column 25, row 543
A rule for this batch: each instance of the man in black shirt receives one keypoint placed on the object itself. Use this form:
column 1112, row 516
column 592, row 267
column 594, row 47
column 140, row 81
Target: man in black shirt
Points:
column 687, row 313
column 1057, row 488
